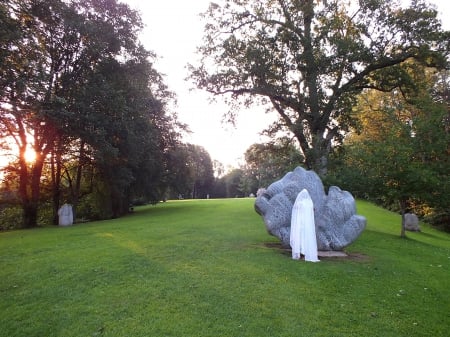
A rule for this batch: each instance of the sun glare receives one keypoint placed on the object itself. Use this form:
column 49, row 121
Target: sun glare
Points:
column 30, row 155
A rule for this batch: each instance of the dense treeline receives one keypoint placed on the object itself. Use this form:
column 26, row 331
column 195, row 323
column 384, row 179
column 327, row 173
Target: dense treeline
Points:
column 309, row 60
column 399, row 155
column 312, row 62
column 362, row 95
column 77, row 87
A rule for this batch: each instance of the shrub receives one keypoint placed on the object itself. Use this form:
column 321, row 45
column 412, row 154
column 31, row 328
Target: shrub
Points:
column 10, row 218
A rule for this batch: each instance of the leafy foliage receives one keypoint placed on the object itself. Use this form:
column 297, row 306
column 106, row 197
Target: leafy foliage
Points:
column 192, row 172
column 232, row 185
column 401, row 156
column 308, row 60
column 78, row 88
column 266, row 163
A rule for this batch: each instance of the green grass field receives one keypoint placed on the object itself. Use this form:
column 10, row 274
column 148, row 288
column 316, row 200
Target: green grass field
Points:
column 208, row 268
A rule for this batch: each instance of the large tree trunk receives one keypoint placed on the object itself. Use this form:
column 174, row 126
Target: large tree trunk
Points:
column 56, row 183
column 316, row 155
column 120, row 205
column 76, row 191
column 29, row 190
column 319, row 154
column 402, row 210
column 29, row 216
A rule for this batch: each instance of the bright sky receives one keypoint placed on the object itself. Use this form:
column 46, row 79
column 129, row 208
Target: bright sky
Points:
column 173, row 31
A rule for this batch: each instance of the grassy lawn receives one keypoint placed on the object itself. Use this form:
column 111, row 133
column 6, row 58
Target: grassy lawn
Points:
column 208, row 268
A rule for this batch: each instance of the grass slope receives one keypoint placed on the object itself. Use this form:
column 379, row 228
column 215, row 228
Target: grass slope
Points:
column 208, row 268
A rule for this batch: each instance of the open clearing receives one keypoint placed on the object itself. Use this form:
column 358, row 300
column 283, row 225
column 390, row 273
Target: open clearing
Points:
column 208, row 268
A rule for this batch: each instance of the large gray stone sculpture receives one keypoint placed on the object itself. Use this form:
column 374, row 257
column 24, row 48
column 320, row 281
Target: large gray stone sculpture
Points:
column 337, row 224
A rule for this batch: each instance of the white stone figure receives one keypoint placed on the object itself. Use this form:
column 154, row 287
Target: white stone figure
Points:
column 65, row 215
column 303, row 229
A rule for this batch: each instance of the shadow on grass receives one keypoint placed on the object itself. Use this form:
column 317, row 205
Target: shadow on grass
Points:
column 178, row 206
column 286, row 251
column 437, row 236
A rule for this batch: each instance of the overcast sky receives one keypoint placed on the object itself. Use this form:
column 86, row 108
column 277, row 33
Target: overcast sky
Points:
column 173, row 31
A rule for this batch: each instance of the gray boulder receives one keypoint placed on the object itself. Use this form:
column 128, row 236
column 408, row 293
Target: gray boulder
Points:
column 337, row 224
column 412, row 222
column 65, row 215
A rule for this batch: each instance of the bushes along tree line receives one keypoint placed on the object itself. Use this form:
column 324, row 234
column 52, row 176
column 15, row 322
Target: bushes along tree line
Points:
column 78, row 88
column 98, row 111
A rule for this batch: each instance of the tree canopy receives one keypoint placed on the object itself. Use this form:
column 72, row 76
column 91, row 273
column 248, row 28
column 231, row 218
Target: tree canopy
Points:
column 268, row 162
column 399, row 156
column 192, row 172
column 77, row 86
column 308, row 60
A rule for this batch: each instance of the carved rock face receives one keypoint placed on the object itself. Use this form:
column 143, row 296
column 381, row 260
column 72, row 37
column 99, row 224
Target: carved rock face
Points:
column 337, row 224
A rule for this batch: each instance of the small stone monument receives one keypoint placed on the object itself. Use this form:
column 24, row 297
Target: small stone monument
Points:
column 337, row 224
column 65, row 215
column 412, row 222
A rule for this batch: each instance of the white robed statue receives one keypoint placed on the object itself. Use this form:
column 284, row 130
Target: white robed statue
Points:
column 303, row 229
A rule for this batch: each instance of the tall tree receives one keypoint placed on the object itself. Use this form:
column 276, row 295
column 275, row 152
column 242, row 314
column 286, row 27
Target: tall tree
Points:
column 231, row 185
column 265, row 163
column 64, row 81
column 126, row 126
column 193, row 171
column 401, row 156
column 309, row 59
